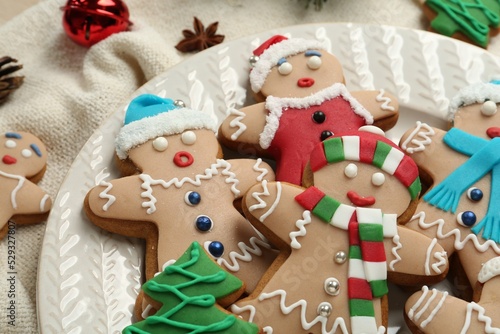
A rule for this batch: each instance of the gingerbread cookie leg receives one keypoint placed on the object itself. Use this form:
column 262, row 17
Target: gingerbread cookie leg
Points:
column 432, row 311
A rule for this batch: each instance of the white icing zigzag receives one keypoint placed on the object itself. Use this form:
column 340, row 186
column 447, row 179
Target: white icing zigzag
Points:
column 459, row 243
column 440, row 256
column 262, row 204
column 302, row 304
column 236, row 122
column 481, row 317
column 20, row 183
column 394, row 251
column 385, row 99
column 149, row 182
column 300, row 224
column 263, row 171
column 423, row 131
column 100, row 180
column 246, row 253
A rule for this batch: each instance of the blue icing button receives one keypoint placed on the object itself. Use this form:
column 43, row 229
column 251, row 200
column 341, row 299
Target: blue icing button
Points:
column 475, row 194
column 216, row 248
column 466, row 218
column 204, row 223
column 192, row 198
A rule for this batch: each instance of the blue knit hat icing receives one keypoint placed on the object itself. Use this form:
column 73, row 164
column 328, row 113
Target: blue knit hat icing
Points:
column 150, row 116
column 147, row 105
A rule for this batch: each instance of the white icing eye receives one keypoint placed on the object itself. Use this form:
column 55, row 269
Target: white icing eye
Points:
column 285, row 68
column 314, row 62
column 26, row 153
column 489, row 108
column 160, row 144
column 351, row 171
column 10, row 143
column 188, row 137
column 378, row 179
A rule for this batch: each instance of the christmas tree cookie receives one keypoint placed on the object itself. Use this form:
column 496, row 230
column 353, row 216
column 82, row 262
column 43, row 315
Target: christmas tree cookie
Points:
column 474, row 21
column 189, row 292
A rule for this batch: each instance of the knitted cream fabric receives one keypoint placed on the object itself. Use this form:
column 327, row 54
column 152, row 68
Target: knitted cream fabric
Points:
column 69, row 90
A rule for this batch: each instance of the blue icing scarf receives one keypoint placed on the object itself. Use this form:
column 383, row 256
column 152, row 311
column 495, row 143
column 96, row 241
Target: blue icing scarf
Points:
column 484, row 158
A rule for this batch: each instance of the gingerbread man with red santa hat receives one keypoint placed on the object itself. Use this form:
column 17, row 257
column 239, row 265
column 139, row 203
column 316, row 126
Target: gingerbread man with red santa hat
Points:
column 302, row 100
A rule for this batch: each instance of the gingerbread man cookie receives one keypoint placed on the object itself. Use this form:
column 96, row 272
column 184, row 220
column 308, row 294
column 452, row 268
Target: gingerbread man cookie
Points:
column 306, row 101
column 462, row 209
column 340, row 239
column 473, row 21
column 192, row 293
column 183, row 191
column 24, row 159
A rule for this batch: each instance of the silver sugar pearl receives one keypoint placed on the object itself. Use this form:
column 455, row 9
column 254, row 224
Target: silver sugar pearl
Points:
column 179, row 103
column 340, row 257
column 324, row 309
column 332, row 286
column 253, row 60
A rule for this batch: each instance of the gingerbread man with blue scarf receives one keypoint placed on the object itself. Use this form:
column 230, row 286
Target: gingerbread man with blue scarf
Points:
column 461, row 168
column 340, row 239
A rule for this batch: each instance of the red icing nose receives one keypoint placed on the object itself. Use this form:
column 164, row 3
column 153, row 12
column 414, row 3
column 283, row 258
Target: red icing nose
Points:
column 305, row 82
column 183, row 159
column 9, row 160
column 359, row 200
column 493, row 132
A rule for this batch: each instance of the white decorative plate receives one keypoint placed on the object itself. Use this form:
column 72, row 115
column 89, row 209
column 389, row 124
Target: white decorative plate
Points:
column 88, row 279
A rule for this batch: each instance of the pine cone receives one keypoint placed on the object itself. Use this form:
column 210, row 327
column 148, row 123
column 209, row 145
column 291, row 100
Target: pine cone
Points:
column 8, row 84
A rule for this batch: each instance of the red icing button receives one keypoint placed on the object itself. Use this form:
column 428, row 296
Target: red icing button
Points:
column 493, row 132
column 305, row 82
column 183, row 159
column 9, row 160
column 359, row 200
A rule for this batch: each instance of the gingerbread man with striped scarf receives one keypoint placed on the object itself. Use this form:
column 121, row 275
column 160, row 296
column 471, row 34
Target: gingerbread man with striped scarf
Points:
column 340, row 239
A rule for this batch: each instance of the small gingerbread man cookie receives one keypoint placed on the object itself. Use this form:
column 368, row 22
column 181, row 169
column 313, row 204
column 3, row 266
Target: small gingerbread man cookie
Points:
column 340, row 239
column 306, row 102
column 23, row 164
column 462, row 209
column 183, row 191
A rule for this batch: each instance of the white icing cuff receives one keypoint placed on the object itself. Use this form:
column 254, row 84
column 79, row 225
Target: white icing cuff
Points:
column 489, row 270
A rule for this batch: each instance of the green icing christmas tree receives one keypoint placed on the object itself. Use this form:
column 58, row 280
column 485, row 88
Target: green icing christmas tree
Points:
column 473, row 18
column 188, row 290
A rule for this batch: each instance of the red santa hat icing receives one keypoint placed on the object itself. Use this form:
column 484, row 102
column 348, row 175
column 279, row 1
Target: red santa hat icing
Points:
column 369, row 148
column 272, row 50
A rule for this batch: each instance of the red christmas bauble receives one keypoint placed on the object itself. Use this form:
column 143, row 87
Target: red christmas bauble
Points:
column 89, row 21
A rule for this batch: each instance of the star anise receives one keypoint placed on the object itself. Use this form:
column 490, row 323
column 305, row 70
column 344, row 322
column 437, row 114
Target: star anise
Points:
column 201, row 38
column 8, row 84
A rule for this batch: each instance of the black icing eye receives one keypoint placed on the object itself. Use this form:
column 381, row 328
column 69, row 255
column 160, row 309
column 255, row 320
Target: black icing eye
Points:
column 325, row 135
column 204, row 223
column 475, row 194
column 192, row 198
column 318, row 117
column 466, row 218
column 216, row 248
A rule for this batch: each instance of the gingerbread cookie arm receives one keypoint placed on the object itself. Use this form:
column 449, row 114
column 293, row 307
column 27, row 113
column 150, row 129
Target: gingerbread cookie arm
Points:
column 111, row 199
column 266, row 205
column 243, row 126
column 249, row 172
column 32, row 200
column 383, row 106
column 413, row 258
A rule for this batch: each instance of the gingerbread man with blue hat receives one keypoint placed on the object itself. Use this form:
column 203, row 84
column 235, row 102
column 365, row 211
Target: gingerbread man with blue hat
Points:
column 182, row 191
